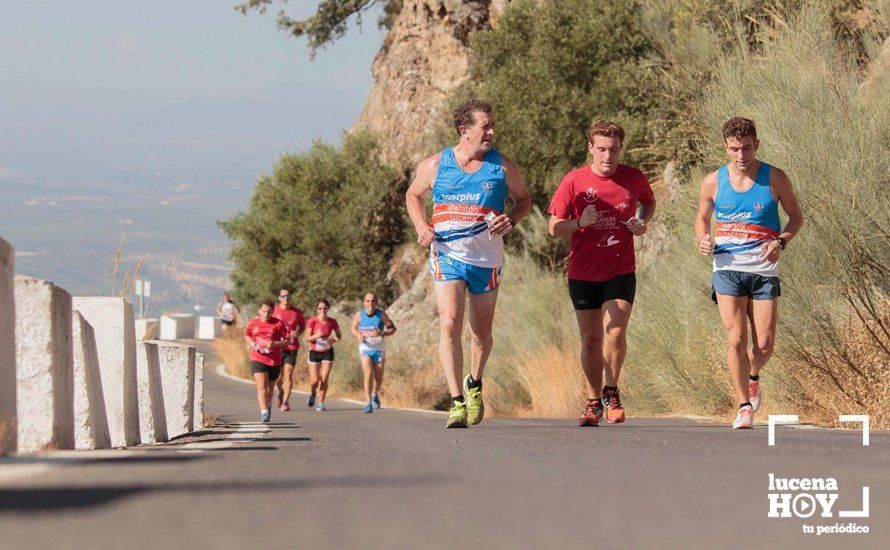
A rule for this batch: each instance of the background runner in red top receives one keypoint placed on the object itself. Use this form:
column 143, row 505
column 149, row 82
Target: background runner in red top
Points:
column 604, row 249
column 325, row 327
column 293, row 319
column 273, row 331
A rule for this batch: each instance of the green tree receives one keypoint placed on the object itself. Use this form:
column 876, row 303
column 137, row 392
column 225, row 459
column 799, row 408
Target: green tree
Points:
column 548, row 69
column 325, row 224
column 330, row 20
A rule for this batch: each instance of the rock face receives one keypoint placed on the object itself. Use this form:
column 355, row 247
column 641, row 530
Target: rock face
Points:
column 422, row 59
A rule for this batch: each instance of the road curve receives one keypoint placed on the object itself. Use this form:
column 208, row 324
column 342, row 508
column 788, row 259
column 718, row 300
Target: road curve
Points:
column 397, row 479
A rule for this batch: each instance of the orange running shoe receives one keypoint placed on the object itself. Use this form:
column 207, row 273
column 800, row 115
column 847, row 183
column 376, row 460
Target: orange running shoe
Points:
column 593, row 413
column 614, row 410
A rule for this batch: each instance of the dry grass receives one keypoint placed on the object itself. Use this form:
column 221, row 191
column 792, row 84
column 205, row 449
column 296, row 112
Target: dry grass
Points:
column 7, row 426
column 553, row 379
column 230, row 349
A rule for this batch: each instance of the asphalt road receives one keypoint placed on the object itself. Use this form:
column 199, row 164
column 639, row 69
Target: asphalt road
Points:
column 398, row 479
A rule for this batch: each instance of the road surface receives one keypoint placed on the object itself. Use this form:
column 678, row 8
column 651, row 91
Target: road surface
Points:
column 397, row 479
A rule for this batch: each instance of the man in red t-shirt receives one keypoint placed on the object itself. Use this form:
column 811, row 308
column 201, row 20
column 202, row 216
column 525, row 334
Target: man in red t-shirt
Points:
column 265, row 336
column 597, row 205
column 293, row 319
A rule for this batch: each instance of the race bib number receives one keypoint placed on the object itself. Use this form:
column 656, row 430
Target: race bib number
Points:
column 322, row 344
column 373, row 340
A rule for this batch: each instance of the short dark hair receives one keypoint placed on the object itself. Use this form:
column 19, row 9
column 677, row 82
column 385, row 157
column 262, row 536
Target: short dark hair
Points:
column 463, row 115
column 267, row 302
column 738, row 127
column 605, row 128
column 323, row 301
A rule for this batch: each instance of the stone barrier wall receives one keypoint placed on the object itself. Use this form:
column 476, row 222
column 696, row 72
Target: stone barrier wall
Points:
column 177, row 363
column 90, row 421
column 113, row 324
column 44, row 366
column 152, row 419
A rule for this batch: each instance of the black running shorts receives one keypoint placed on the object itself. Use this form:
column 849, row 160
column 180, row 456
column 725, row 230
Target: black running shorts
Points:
column 319, row 356
column 593, row 294
column 256, row 367
column 289, row 357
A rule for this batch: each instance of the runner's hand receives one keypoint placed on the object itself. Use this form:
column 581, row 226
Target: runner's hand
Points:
column 500, row 225
column 771, row 250
column 426, row 237
column 706, row 245
column 588, row 216
column 636, row 226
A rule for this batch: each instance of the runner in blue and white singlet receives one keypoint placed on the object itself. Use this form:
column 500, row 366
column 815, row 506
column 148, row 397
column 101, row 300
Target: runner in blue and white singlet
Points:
column 744, row 196
column 745, row 222
column 463, row 247
column 470, row 183
column 371, row 326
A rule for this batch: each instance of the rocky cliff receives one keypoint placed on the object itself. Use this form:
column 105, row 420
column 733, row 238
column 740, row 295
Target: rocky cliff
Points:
column 423, row 58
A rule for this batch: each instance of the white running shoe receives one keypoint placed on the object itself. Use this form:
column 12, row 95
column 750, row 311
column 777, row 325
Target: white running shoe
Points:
column 755, row 393
column 265, row 415
column 320, row 407
column 745, row 419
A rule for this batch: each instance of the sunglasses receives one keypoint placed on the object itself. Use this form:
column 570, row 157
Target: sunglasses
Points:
column 284, row 295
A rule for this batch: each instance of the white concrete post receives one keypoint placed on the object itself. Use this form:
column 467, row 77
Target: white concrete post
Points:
column 199, row 391
column 177, row 379
column 177, row 327
column 113, row 324
column 209, row 327
column 7, row 350
column 44, row 366
column 90, row 420
column 152, row 419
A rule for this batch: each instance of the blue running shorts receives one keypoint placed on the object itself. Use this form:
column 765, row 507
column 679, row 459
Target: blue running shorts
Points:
column 375, row 354
column 740, row 283
column 479, row 279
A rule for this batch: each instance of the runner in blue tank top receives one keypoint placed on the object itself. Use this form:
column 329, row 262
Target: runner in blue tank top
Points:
column 370, row 326
column 470, row 183
column 744, row 196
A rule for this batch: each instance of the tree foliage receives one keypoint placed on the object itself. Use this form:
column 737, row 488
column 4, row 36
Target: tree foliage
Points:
column 324, row 224
column 549, row 69
column 330, row 20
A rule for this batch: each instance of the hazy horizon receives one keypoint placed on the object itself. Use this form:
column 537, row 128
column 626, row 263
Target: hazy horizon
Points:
column 155, row 122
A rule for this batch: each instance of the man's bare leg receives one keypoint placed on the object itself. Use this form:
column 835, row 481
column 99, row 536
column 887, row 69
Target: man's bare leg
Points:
column 616, row 314
column 450, row 297
column 733, row 313
column 590, row 324
column 367, row 376
column 763, row 315
column 481, row 315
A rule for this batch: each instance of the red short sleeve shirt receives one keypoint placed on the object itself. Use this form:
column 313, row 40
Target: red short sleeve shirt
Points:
column 325, row 327
column 263, row 333
column 604, row 249
column 293, row 320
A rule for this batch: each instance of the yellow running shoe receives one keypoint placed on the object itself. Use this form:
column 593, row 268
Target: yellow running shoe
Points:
column 475, row 408
column 458, row 416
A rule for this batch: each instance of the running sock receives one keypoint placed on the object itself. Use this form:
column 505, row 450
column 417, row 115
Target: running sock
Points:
column 745, row 404
column 610, row 388
column 458, row 399
column 753, row 378
column 473, row 383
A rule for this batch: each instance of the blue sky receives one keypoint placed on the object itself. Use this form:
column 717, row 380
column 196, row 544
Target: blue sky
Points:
column 154, row 120
column 91, row 74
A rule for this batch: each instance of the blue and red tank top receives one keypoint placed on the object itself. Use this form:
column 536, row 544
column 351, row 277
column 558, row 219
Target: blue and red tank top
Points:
column 745, row 221
column 461, row 200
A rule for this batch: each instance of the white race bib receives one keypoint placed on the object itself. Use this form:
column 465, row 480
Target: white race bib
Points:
column 322, row 344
